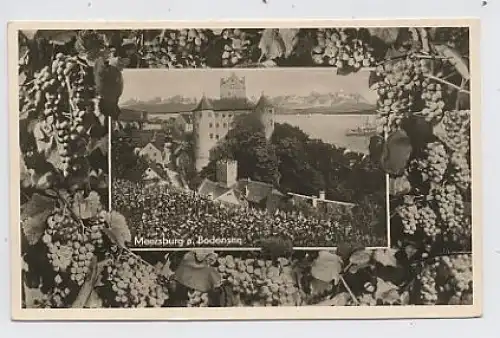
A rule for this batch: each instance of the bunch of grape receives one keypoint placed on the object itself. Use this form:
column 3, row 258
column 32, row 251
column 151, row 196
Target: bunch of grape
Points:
column 183, row 48
column 129, row 282
column 197, row 299
column 70, row 252
column 418, row 218
column 456, row 130
column 95, row 229
column 433, row 163
column 428, row 289
column 457, row 277
column 342, row 48
column 64, row 95
column 460, row 173
column 449, row 203
column 433, row 97
column 238, row 46
column 399, row 89
column 259, row 280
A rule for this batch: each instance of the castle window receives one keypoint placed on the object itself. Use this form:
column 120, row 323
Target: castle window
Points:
column 217, row 137
column 229, row 115
column 216, row 125
column 225, row 125
column 211, row 136
column 223, row 116
column 216, row 115
column 210, row 125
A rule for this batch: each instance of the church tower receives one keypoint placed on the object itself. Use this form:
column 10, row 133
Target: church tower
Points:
column 265, row 110
column 204, row 138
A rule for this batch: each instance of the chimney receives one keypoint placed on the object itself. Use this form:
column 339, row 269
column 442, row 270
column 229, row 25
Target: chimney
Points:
column 322, row 195
column 314, row 202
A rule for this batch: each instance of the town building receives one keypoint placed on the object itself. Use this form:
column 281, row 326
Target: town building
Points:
column 228, row 189
column 321, row 203
column 130, row 118
column 184, row 122
column 212, row 119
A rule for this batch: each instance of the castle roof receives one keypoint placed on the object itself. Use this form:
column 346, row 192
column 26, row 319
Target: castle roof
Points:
column 264, row 102
column 226, row 104
column 204, row 104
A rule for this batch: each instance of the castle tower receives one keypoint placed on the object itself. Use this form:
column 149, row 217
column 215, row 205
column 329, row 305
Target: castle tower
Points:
column 233, row 87
column 204, row 138
column 227, row 172
column 265, row 109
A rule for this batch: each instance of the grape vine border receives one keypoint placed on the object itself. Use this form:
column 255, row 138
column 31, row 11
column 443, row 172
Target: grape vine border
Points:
column 417, row 271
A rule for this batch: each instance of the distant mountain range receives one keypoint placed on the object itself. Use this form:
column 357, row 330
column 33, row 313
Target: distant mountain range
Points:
column 326, row 103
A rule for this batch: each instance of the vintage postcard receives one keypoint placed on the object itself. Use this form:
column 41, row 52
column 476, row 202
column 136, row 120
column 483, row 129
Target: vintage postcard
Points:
column 245, row 170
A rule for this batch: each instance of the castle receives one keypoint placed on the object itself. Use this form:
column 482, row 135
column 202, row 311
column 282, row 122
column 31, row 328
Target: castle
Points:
column 212, row 119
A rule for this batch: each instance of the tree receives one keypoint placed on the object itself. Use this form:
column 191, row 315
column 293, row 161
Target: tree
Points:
column 247, row 144
column 126, row 164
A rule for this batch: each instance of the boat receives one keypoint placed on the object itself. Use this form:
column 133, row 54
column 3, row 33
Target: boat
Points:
column 367, row 129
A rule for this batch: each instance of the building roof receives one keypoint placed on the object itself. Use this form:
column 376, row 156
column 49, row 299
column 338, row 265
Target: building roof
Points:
column 188, row 118
column 257, row 192
column 131, row 115
column 263, row 102
column 140, row 138
column 204, row 104
column 320, row 201
column 208, row 187
column 157, row 168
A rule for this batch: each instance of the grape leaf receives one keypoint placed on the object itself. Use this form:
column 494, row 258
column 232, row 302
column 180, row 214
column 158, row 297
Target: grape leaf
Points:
column 118, row 230
column 59, row 37
column 94, row 301
column 327, row 267
column 271, row 45
column 455, row 59
column 195, row 275
column 386, row 257
column 387, row 35
column 28, row 34
column 32, row 296
column 88, row 286
column 360, row 257
column 340, row 299
column 87, row 207
column 396, row 153
column 26, row 175
column 319, row 287
column 399, row 186
column 387, row 292
column 34, row 226
column 43, row 137
column 289, row 39
column 101, row 144
column 37, row 204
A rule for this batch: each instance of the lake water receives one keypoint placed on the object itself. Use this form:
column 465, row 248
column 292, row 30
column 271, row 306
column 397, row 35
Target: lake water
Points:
column 332, row 128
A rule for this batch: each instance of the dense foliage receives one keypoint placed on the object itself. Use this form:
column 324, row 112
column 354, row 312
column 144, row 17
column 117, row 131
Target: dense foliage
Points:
column 74, row 250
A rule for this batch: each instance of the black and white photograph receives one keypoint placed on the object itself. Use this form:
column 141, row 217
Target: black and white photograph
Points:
column 322, row 168
column 234, row 158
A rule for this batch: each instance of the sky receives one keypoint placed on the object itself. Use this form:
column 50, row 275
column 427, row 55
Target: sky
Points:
column 146, row 84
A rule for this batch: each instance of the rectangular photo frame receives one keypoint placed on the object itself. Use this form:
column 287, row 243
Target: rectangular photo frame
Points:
column 74, row 215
